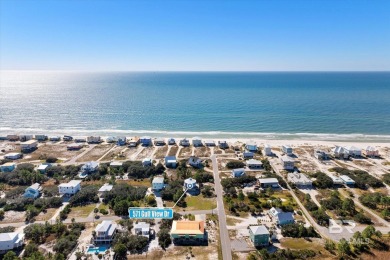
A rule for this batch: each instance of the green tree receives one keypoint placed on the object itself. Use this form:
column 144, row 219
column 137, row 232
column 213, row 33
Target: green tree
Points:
column 10, row 255
column 343, row 247
column 164, row 238
column 241, row 195
column 120, row 251
column 349, row 206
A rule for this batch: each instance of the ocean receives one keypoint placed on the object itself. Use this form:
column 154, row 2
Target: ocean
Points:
column 269, row 105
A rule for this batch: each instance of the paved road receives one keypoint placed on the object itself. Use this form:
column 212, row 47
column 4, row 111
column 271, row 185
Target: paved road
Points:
column 224, row 234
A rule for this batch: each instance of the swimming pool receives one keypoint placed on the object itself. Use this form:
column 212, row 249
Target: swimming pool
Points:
column 97, row 249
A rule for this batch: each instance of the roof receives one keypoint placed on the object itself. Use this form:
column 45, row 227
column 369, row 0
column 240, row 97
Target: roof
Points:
column 29, row 142
column 142, row 225
column 371, row 148
column 116, row 163
column 189, row 181
column 8, row 164
column 267, row 146
column 335, row 178
column 269, row 180
column 285, row 216
column 187, row 227
column 275, row 211
column 196, row 138
column 106, row 187
column 346, row 178
column 298, row 177
column 72, row 183
column 106, row 226
column 146, row 160
column 239, row 170
column 353, row 148
column 253, row 161
column 4, row 237
column 158, row 180
column 35, row 186
column 286, row 146
column 259, row 230
column 13, row 154
column 43, row 167
column 170, row 158
column 286, row 158
column 209, row 141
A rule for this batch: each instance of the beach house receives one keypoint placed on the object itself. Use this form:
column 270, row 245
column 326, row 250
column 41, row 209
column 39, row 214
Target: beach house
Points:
column 248, row 155
column 184, row 142
column 24, row 138
column 28, row 146
column 371, row 151
column 347, row 180
column 90, row 167
column 121, row 141
column 197, row 142
column 142, row 229
column 259, row 235
column 94, row 139
column 286, row 149
column 67, row 138
column 340, row 152
column 336, row 180
column 281, row 218
column 268, row 182
column 105, row 232
column 10, row 241
column 13, row 156
column 134, row 141
column 170, row 161
column 209, row 143
column 41, row 138
column 223, row 145
column 238, row 172
column 287, row 162
column 70, row 188
column 254, row 164
column 321, row 155
column 105, row 188
column 74, row 146
column 191, row 186
column 145, row 140
column 33, row 191
column 299, row 179
column 171, row 141
column 42, row 168
column 147, row 162
column 353, row 151
column 111, row 139
column 80, row 139
column 188, row 232
column 8, row 167
column 195, row 162
column 55, row 138
column 267, row 150
column 158, row 183
column 251, row 147
column 159, row 142
column 12, row 138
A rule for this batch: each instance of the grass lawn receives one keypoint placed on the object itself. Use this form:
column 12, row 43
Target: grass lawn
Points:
column 144, row 182
column 200, row 203
column 232, row 221
column 46, row 216
column 300, row 243
column 81, row 211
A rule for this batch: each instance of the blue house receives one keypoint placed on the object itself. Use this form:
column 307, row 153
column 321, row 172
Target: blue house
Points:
column 8, row 167
column 170, row 161
column 33, row 191
column 238, row 172
column 251, row 147
column 281, row 218
column 121, row 141
column 248, row 155
column 145, row 140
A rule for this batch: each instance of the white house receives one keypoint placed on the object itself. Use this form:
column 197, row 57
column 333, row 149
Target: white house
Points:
column 171, row 141
column 42, row 168
column 195, row 162
column 254, row 164
column 238, row 172
column 191, row 186
column 321, row 155
column 353, row 151
column 105, row 188
column 93, row 139
column 287, row 162
column 116, row 164
column 287, row 150
column 142, row 229
column 69, row 188
column 299, row 179
column 134, row 141
column 90, row 167
column 105, row 232
column 269, row 182
column 248, row 155
column 196, row 141
column 29, row 145
column 33, row 191
column 347, row 180
column 267, row 150
column 336, row 180
column 158, row 183
column 372, row 151
column 280, row 217
column 340, row 152
column 209, row 143
column 170, row 161
column 147, row 162
column 184, row 142
column 13, row 156
column 10, row 241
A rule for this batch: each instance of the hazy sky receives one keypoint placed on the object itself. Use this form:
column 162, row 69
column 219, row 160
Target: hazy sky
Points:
column 195, row 35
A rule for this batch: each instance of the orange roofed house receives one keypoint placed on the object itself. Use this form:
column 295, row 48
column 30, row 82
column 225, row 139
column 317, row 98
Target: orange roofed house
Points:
column 188, row 232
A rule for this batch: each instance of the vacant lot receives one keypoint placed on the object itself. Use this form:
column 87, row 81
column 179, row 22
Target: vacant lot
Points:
column 185, row 152
column 46, row 216
column 161, row 152
column 96, row 153
column 173, row 150
column 115, row 154
column 145, row 153
column 202, row 151
column 81, row 211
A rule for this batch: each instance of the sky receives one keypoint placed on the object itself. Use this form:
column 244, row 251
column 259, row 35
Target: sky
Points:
column 94, row 35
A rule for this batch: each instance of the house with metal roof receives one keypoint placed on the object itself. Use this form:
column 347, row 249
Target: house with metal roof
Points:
column 267, row 150
column 287, row 150
column 197, row 141
column 281, row 218
column 33, row 191
column 251, row 147
column 287, row 162
column 353, row 151
column 105, row 232
column 42, row 168
column 347, row 180
column 248, row 155
column 116, row 164
column 142, row 229
column 268, row 182
column 184, row 142
column 195, row 162
column 187, row 231
column 105, row 188
column 254, row 164
column 145, row 140
column 299, row 179
column 158, row 183
column 209, row 143
column 259, row 235
column 8, row 167
column 10, row 241
column 147, row 162
column 336, row 180
column 238, row 172
column 321, row 155
column 171, row 141
column 170, row 161
column 69, row 188
column 13, row 156
column 29, row 145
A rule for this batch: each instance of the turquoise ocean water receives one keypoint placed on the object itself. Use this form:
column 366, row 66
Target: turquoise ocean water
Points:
column 274, row 105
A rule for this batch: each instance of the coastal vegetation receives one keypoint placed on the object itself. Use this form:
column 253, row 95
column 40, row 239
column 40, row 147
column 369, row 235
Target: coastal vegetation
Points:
column 362, row 179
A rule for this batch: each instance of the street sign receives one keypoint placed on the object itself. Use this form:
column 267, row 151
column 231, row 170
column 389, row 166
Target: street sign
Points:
column 150, row 213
